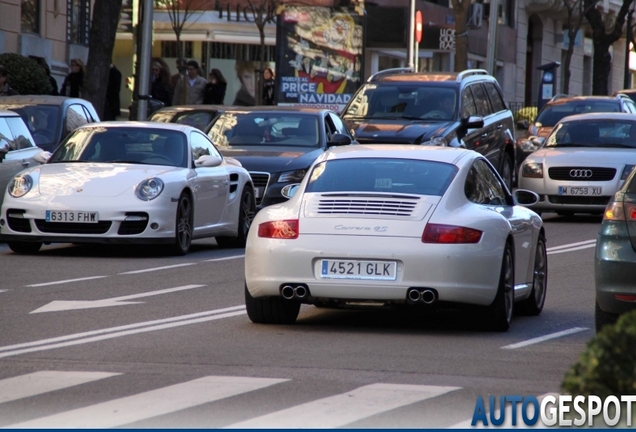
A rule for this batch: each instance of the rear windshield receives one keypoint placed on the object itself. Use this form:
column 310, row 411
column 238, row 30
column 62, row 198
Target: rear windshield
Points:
column 374, row 175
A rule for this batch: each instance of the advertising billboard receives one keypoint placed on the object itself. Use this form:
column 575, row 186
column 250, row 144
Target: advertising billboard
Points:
column 319, row 61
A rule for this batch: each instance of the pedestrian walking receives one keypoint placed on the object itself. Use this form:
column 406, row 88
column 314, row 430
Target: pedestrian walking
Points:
column 161, row 89
column 269, row 88
column 215, row 88
column 192, row 84
column 74, row 81
column 112, row 108
column 5, row 89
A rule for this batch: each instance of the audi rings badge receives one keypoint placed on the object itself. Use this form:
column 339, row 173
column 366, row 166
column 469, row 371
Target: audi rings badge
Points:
column 581, row 173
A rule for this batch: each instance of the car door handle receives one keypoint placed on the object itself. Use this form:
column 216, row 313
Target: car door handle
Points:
column 484, row 135
column 26, row 163
column 499, row 127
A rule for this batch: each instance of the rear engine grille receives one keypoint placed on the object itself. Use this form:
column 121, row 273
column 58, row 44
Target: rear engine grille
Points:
column 361, row 206
column 130, row 227
column 579, row 200
column 598, row 173
column 72, row 228
column 18, row 224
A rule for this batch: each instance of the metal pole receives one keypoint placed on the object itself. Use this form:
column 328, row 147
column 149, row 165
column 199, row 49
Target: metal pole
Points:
column 491, row 56
column 144, row 61
column 411, row 42
column 627, row 81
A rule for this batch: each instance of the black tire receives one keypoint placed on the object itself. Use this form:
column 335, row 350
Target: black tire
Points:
column 183, row 226
column 271, row 310
column 502, row 308
column 507, row 171
column 533, row 305
column 602, row 318
column 247, row 211
column 24, row 248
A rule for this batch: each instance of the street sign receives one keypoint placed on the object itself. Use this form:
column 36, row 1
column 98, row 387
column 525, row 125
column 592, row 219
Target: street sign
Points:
column 418, row 26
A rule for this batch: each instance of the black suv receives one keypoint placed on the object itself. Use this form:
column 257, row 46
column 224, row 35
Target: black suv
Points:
column 465, row 109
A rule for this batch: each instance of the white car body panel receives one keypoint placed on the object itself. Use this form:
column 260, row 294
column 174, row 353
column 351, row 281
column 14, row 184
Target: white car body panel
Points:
column 463, row 273
column 576, row 157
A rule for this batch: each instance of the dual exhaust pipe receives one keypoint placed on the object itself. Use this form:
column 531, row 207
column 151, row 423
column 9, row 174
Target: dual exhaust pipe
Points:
column 423, row 295
column 294, row 292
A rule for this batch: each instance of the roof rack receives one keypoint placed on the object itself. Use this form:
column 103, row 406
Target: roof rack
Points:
column 384, row 72
column 468, row 72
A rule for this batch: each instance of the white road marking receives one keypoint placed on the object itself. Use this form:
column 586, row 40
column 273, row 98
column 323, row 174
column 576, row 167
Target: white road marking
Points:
column 157, row 268
column 571, row 247
column 62, row 305
column 153, row 403
column 545, row 338
column 45, row 381
column 241, row 310
column 1, row 290
column 66, row 281
column 507, row 424
column 225, row 258
column 340, row 410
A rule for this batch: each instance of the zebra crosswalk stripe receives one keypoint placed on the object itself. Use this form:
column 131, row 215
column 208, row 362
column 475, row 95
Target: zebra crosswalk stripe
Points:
column 340, row 410
column 153, row 403
column 45, row 381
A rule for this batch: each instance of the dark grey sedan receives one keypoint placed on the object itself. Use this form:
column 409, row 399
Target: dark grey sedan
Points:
column 615, row 257
column 50, row 118
column 276, row 144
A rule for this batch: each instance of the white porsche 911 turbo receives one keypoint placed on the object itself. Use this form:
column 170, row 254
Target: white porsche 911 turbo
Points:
column 130, row 182
column 397, row 226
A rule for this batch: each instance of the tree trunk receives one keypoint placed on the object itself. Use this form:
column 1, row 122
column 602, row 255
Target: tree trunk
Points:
column 461, row 34
column 100, row 51
column 601, row 67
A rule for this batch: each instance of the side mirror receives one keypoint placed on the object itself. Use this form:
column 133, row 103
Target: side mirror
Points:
column 208, row 161
column 339, row 139
column 523, row 124
column 42, row 157
column 289, row 190
column 473, row 122
column 525, row 197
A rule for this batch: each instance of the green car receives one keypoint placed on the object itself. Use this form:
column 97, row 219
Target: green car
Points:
column 615, row 257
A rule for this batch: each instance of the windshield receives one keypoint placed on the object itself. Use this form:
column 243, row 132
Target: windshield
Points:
column 382, row 175
column 42, row 121
column 594, row 133
column 408, row 101
column 271, row 129
column 124, row 145
column 552, row 114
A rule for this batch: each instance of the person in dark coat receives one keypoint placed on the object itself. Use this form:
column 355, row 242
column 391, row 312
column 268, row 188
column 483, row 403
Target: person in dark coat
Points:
column 161, row 88
column 268, row 87
column 52, row 81
column 112, row 108
column 5, row 89
column 215, row 88
column 74, row 81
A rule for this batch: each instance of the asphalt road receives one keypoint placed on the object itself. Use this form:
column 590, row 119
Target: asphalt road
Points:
column 122, row 336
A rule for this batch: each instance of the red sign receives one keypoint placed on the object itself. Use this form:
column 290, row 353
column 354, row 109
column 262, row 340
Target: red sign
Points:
column 418, row 26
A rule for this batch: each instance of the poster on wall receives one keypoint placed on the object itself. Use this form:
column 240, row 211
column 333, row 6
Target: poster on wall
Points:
column 320, row 57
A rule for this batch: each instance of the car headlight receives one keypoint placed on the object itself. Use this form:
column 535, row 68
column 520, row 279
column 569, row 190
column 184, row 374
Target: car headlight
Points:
column 292, row 176
column 531, row 144
column 627, row 171
column 437, row 141
column 20, row 185
column 149, row 189
column 532, row 170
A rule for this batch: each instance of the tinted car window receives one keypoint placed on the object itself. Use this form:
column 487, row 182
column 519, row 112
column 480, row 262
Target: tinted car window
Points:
column 6, row 136
column 20, row 132
column 552, row 114
column 75, row 117
column 468, row 104
column 248, row 129
column 594, row 133
column 195, row 119
column 481, row 100
column 482, row 185
column 382, row 175
column 162, row 116
column 495, row 97
column 201, row 146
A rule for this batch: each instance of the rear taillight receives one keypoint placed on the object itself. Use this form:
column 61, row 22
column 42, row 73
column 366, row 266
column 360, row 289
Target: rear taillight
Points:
column 616, row 211
column 283, row 229
column 435, row 233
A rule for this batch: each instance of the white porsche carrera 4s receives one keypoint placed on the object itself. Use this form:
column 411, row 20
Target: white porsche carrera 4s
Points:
column 130, row 182
column 398, row 226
